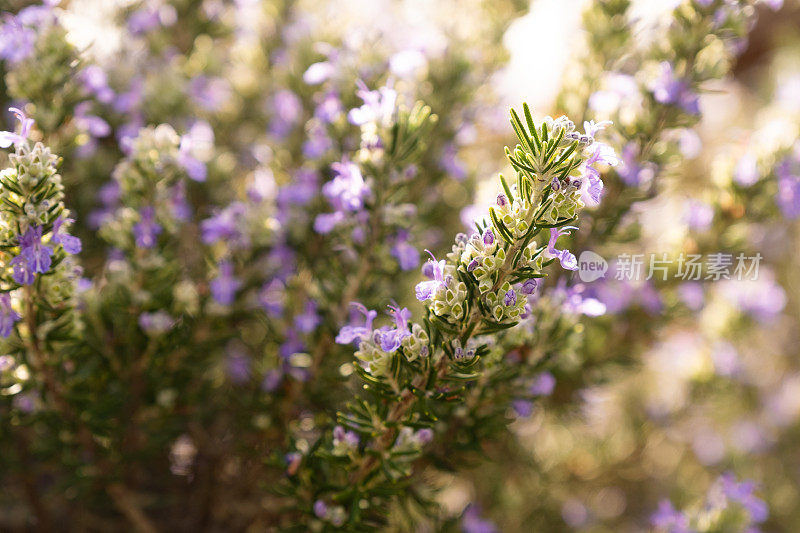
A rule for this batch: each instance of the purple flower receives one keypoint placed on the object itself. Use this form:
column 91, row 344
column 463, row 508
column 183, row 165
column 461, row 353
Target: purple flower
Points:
column 36, row 255
column 320, row 509
column 317, row 142
column 529, row 286
column 488, row 237
column 426, row 289
column 16, row 40
column 510, row 298
column 22, row 273
column 309, row 319
column 286, row 112
column 378, row 105
column 390, row 339
column 70, row 243
column 450, row 163
column 667, row 517
column 631, row 171
column 224, row 286
column 425, row 436
column 698, row 215
column 351, row 333
column 95, row 81
column 523, row 408
column 669, row 89
column 567, row 259
column 318, row 73
column 7, row 138
column 472, row 522
column 8, row 317
column 271, row 381
column 743, row 494
column 210, row 93
column 407, row 255
column 147, row 230
column 326, row 222
column 329, row 108
column 199, row 134
column 93, row 125
column 543, row 385
column 347, row 190
column 224, row 226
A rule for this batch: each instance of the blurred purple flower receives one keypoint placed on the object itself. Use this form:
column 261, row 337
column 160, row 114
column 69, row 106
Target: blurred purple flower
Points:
column 8, row 317
column 224, row 286
column 147, row 230
column 669, row 89
column 473, row 522
column 351, row 333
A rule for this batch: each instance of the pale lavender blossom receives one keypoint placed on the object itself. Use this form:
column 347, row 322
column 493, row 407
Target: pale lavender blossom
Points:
column 347, row 191
column 70, row 243
column 426, row 289
column 354, row 333
column 7, row 138
column 390, row 339
column 318, row 73
column 16, row 40
column 565, row 257
column 378, row 105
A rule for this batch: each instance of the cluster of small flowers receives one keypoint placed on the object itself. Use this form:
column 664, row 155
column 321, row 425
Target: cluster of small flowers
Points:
column 375, row 347
column 484, row 256
column 149, row 180
column 34, row 221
